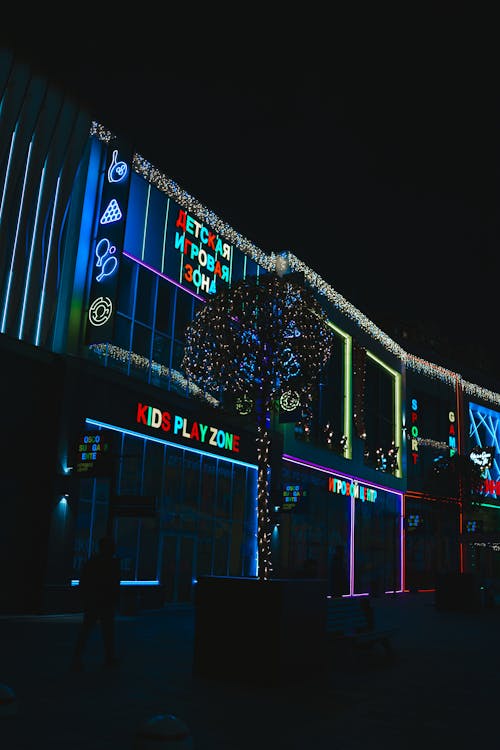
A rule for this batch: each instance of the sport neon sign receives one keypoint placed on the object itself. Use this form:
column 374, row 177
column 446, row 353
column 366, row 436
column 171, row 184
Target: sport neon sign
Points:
column 187, row 428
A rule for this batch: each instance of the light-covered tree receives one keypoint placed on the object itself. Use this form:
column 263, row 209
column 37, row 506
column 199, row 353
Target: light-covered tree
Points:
column 260, row 342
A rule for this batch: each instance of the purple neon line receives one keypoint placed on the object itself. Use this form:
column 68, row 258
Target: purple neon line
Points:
column 326, row 470
column 351, row 550
column 163, row 276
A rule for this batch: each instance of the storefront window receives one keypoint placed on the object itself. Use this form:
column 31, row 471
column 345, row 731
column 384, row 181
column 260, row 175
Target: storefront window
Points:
column 377, row 544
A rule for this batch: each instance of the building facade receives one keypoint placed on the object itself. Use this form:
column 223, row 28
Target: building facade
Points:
column 104, row 263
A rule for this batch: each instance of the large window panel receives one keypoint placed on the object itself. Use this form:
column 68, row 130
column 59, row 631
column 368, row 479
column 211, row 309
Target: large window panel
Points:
column 141, row 347
column 127, row 285
column 147, row 567
column 131, row 469
column 377, row 550
column 183, row 314
column 136, row 213
column 153, row 469
column 146, row 297
column 164, row 307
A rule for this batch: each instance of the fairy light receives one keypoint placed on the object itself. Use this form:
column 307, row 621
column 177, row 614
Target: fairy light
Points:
column 252, row 343
column 137, row 360
column 268, row 262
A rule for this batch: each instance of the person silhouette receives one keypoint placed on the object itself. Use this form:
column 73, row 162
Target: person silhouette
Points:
column 100, row 590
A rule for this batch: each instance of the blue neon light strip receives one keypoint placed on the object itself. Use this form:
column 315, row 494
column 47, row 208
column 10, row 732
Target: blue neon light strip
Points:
column 32, row 249
column 141, row 435
column 47, row 264
column 76, row 581
column 7, row 173
column 16, row 240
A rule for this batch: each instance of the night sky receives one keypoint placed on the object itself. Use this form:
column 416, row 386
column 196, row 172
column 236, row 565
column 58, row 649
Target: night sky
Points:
column 376, row 163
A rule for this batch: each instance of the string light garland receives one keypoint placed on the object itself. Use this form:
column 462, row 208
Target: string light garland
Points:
column 268, row 262
column 157, row 369
column 251, row 344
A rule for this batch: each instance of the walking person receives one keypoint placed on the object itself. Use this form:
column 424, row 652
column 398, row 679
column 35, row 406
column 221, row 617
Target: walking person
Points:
column 100, row 589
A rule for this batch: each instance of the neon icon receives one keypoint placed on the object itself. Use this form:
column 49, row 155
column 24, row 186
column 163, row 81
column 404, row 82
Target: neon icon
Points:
column 117, row 169
column 106, row 260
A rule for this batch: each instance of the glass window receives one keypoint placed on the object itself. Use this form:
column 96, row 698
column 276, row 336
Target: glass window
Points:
column 153, row 469
column 164, row 307
column 379, row 412
column 147, row 567
column 141, row 343
column 136, row 213
column 431, row 541
column 238, row 516
column 130, row 466
column 161, row 349
column 127, row 539
column 146, row 296
column 183, row 314
column 122, row 332
column 155, row 230
column 377, row 535
column 126, row 287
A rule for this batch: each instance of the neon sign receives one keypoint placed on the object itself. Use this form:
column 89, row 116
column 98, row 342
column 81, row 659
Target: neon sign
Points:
column 93, row 456
column 187, row 428
column 106, row 254
column 292, row 494
column 452, row 440
column 204, row 257
column 352, row 488
column 414, row 430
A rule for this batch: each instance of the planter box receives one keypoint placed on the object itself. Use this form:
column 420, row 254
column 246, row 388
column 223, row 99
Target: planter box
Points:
column 260, row 632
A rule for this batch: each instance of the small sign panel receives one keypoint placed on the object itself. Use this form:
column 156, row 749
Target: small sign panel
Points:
column 292, row 494
column 93, row 454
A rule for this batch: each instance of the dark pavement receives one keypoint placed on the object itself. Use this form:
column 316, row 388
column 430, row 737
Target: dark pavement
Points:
column 439, row 691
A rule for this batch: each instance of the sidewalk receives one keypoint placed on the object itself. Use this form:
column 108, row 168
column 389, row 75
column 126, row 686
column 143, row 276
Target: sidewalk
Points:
column 441, row 690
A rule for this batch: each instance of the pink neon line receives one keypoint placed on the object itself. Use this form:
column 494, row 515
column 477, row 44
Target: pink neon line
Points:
column 326, row 470
column 163, row 276
column 351, row 550
column 402, row 542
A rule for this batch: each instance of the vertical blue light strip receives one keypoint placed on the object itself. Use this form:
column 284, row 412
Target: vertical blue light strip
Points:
column 47, row 266
column 32, row 250
column 16, row 238
column 143, row 250
column 7, row 173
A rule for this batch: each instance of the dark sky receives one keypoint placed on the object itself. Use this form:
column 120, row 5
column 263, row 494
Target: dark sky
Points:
column 376, row 163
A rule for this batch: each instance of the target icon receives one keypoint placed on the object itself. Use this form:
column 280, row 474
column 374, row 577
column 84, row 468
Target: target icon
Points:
column 100, row 311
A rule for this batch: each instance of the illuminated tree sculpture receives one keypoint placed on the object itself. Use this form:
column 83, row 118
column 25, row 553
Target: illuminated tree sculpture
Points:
column 263, row 340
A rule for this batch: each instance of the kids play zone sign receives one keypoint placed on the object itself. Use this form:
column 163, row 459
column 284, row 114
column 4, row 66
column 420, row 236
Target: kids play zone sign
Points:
column 184, row 429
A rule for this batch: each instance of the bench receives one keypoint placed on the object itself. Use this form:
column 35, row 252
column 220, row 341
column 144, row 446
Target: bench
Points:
column 352, row 620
